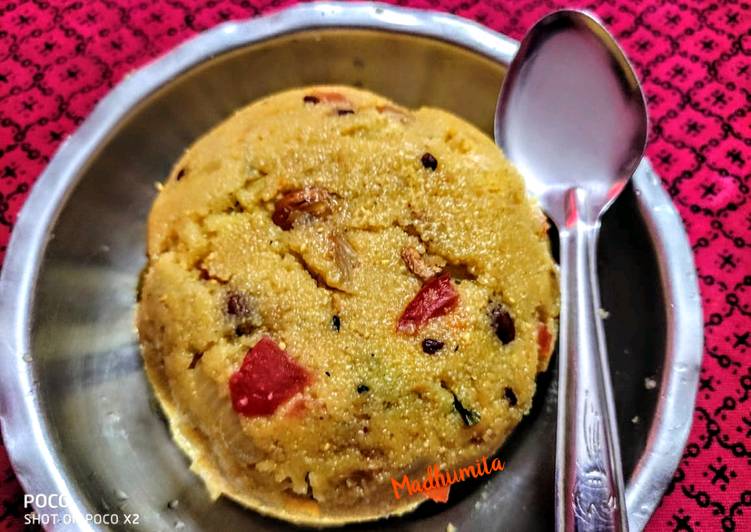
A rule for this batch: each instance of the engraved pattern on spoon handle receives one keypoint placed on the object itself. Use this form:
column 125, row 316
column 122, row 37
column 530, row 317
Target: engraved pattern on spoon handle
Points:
column 589, row 478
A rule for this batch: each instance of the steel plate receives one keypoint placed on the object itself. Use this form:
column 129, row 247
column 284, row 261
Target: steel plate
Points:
column 78, row 416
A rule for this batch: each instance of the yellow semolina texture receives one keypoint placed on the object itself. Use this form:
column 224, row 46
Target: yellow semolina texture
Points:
column 314, row 218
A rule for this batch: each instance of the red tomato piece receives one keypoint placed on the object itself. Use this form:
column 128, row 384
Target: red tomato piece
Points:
column 437, row 297
column 267, row 378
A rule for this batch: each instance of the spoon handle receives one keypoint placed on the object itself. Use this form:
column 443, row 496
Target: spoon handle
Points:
column 589, row 483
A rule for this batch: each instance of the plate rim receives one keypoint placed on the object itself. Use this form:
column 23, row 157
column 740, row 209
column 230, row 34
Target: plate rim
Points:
column 26, row 436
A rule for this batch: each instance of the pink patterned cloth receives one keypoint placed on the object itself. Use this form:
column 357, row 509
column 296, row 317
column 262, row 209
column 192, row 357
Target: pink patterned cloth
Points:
column 58, row 58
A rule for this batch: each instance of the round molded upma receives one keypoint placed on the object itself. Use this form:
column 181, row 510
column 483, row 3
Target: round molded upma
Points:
column 340, row 292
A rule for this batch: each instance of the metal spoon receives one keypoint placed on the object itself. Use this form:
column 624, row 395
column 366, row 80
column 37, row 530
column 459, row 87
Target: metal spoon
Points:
column 571, row 117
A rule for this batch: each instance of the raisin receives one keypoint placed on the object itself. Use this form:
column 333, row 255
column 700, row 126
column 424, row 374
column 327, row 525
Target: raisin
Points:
column 423, row 266
column 428, row 161
column 336, row 323
column 362, row 388
column 311, row 201
column 196, row 358
column 180, row 174
column 237, row 305
column 510, row 396
column 342, row 112
column 503, row 324
column 243, row 314
column 431, row 346
column 311, row 99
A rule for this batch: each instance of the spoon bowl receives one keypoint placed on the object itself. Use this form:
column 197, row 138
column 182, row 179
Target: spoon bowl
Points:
column 571, row 116
column 571, row 113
